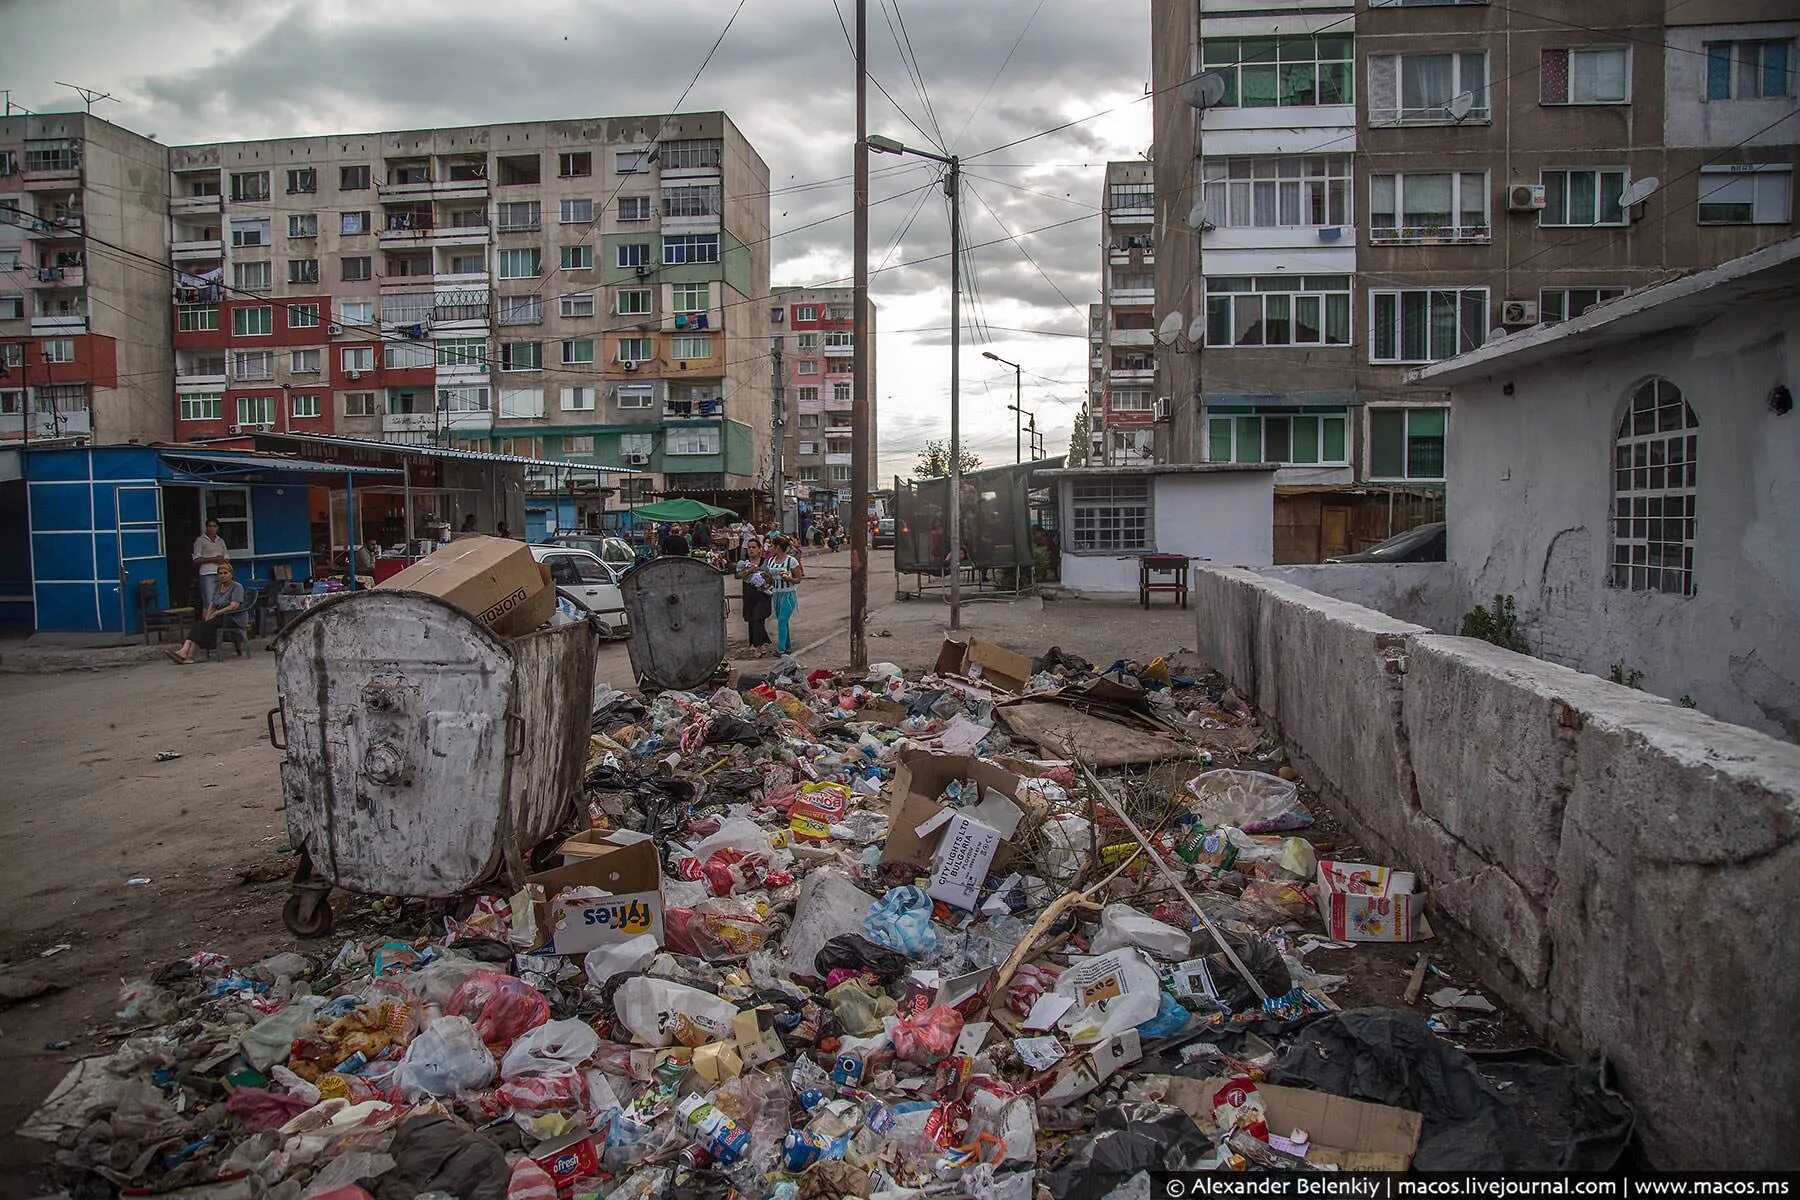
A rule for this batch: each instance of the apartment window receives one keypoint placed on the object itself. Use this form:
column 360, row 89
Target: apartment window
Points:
column 359, row 358
column 577, row 304
column 578, row 350
column 520, row 215
column 1600, row 75
column 634, row 395
column 1407, row 443
column 839, row 474
column 579, row 399
column 691, row 347
column 304, row 406
column 1123, row 198
column 462, row 352
column 472, row 263
column 633, row 302
column 357, row 312
column 807, row 395
column 1565, row 304
column 250, row 185
column 693, row 201
column 1110, row 516
column 631, row 162
column 353, row 179
column 521, row 264
column 302, row 225
column 806, row 312
column 577, row 212
column 304, row 362
column 1278, row 310
column 202, row 406
column 12, row 355
column 807, row 366
column 407, row 356
column 839, row 339
column 522, row 402
column 809, row 475
column 806, row 341
column 1426, row 325
column 406, row 401
column 1269, row 193
column 1582, row 198
column 303, row 270
column 1283, row 72
column 1749, row 70
column 1746, row 195
column 303, row 316
column 692, row 297
column 1446, row 206
column 302, row 180
column 59, row 350
column 573, row 164
column 463, row 399
column 841, row 392
column 1428, row 89
column 579, row 444
column 255, row 410
column 1129, row 400
column 353, row 223
column 1655, row 458
column 633, row 254
column 1290, row 436
column 195, row 318
column 253, row 322
column 809, row 421
column 250, row 233
column 515, row 170
column 691, row 441
column 635, row 350
column 252, row 276
column 520, row 310
column 578, row 258
column 359, row 404
column 691, row 154
column 356, row 267
column 634, row 208
column 690, row 248
column 521, row 356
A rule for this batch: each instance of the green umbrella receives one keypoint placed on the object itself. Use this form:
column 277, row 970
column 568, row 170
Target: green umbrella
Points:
column 680, row 509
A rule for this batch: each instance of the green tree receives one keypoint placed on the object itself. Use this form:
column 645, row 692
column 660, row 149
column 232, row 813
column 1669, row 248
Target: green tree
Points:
column 1080, row 437
column 934, row 460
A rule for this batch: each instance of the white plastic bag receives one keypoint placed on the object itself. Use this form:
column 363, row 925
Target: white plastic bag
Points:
column 741, row 833
column 602, row 963
column 660, row 1012
column 1250, row 800
column 1122, row 925
column 447, row 1059
column 1066, row 838
column 550, row 1047
column 1113, row 992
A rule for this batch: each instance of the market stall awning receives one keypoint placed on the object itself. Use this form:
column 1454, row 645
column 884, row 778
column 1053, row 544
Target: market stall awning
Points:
column 236, row 465
column 319, row 442
column 681, row 509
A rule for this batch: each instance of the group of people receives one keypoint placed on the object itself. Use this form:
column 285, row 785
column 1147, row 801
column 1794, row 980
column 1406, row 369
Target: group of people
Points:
column 770, row 571
column 221, row 596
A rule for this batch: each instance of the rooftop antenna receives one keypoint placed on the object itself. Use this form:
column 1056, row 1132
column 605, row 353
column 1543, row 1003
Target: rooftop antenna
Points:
column 88, row 95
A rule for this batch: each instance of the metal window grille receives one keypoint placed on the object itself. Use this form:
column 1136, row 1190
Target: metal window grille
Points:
column 1110, row 514
column 1655, row 466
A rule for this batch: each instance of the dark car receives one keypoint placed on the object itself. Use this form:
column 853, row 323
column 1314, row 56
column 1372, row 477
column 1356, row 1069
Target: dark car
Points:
column 883, row 537
column 1422, row 543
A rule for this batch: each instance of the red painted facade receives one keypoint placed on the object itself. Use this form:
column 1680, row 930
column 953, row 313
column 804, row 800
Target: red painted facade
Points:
column 96, row 362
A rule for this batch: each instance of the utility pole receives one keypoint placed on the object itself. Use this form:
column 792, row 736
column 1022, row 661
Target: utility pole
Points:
column 859, row 388
column 780, row 417
column 953, row 185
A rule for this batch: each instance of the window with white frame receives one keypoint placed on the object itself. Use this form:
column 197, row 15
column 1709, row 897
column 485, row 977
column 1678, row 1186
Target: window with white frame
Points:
column 635, row 395
column 808, row 447
column 1428, row 89
column 1583, row 197
column 809, row 421
column 578, row 258
column 839, row 473
column 806, row 312
column 809, row 475
column 255, row 410
column 359, row 404
column 520, row 310
column 251, row 232
column 1129, row 400
column 1283, row 72
column 1426, row 324
column 690, row 248
column 807, row 395
column 306, row 405
column 202, row 406
column 1756, row 69
column 462, row 352
column 632, row 254
column 1747, row 194
column 692, row 297
column 303, row 225
column 1407, row 443
column 359, row 358
column 521, row 402
column 692, row 154
column 578, row 350
column 579, row 444
column 230, row 506
column 576, row 211
column 840, row 392
column 631, row 162
column 253, row 364
column 1655, row 464
column 462, row 399
column 1292, row 436
column 406, row 356
column 1590, row 75
column 305, row 362
column 12, row 308
column 12, row 354
column 303, row 270
column 254, row 321
column 519, row 215
column 1110, row 515
column 1279, row 191
column 635, row 349
column 521, row 264
column 578, row 399
column 521, row 356
column 701, row 200
column 574, row 164
column 691, row 441
column 636, row 444
column 252, row 276
column 1567, row 303
column 303, row 316
column 248, row 185
column 576, row 304
column 58, row 350
column 1433, row 206
column 634, row 208
column 190, row 318
column 807, row 366
column 806, row 341
column 1278, row 310
column 840, row 339
column 632, row 302
column 699, row 346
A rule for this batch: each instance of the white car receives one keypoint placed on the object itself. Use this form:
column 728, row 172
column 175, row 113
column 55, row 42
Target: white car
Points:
column 589, row 584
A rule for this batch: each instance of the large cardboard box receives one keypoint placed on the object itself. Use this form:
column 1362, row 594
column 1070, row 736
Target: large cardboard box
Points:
column 494, row 580
column 1353, row 1135
column 1364, row 903
column 995, row 666
column 912, row 800
column 629, row 870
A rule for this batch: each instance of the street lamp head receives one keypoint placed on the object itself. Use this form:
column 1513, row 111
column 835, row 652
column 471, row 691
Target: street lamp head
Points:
column 990, row 354
column 884, row 145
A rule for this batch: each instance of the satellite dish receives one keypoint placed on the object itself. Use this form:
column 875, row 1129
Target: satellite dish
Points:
column 1460, row 105
column 1170, row 327
column 1197, row 215
column 1204, row 91
column 1197, row 330
column 1639, row 192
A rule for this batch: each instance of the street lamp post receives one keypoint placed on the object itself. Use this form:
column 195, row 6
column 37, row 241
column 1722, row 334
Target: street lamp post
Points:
column 953, row 189
column 1018, row 399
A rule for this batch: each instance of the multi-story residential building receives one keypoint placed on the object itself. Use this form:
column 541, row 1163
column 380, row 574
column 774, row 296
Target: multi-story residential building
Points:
column 813, row 365
column 1129, row 423
column 1385, row 185
column 587, row 289
column 84, row 273
column 1096, row 389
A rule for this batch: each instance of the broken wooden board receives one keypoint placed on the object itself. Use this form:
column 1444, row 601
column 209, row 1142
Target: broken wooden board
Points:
column 1055, row 728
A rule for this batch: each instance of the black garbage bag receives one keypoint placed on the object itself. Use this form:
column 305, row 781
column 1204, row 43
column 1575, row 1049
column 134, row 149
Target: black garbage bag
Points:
column 1550, row 1115
column 736, row 781
column 1261, row 959
column 441, row 1154
column 852, row 951
column 1128, row 1138
column 725, row 728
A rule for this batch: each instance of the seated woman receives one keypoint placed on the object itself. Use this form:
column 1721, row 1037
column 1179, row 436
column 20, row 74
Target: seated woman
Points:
column 227, row 608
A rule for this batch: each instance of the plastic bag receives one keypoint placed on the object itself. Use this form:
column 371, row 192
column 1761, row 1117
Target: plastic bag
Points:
column 436, row 982
column 550, row 1047
column 1170, row 1019
column 854, row 952
column 718, row 929
column 1066, row 839
column 1250, row 800
column 270, row 1039
column 501, row 1006
column 602, row 963
column 1122, row 925
column 929, row 1037
column 660, row 1012
column 859, row 1007
column 529, row 1181
column 1112, row 991
column 446, row 1059
column 1288, row 899
column 902, row 922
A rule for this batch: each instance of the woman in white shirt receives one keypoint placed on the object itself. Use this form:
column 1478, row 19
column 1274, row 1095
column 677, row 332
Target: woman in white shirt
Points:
column 210, row 553
column 783, row 571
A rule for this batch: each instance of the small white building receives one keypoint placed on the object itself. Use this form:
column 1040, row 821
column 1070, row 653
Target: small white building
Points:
column 1630, row 476
column 1220, row 514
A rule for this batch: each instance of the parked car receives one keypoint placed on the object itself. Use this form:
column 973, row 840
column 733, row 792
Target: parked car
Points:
column 585, row 581
column 615, row 552
column 1422, row 543
column 884, row 534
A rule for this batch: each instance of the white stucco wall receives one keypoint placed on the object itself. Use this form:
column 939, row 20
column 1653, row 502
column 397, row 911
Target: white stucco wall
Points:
column 1227, row 517
column 1691, row 120
column 1528, row 510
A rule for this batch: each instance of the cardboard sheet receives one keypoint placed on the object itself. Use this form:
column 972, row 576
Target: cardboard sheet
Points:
column 1353, row 1134
column 1102, row 743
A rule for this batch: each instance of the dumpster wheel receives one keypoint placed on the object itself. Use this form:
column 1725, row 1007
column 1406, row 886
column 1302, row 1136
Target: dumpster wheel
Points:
column 307, row 913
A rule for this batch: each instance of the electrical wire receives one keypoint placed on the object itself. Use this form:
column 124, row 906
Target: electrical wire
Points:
column 997, row 74
column 919, row 73
column 851, row 43
column 1079, row 310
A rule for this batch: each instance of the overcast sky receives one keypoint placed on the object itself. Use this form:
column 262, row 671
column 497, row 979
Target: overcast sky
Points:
column 207, row 70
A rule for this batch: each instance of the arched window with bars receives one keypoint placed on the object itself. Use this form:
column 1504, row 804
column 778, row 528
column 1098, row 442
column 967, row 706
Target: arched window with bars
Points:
column 1655, row 472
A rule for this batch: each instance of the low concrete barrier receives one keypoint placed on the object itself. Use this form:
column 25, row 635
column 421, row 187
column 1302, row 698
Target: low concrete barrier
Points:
column 1624, row 869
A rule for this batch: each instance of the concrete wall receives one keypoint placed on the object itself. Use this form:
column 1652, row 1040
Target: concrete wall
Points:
column 1223, row 517
column 1620, row 867
column 1421, row 593
column 1529, row 514
column 1692, row 120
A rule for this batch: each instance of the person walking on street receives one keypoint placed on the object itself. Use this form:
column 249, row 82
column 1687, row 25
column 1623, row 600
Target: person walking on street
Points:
column 210, row 556
column 757, row 603
column 784, row 571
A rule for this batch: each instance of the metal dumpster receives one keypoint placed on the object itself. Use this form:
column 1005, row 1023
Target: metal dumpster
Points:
column 425, row 754
column 677, row 610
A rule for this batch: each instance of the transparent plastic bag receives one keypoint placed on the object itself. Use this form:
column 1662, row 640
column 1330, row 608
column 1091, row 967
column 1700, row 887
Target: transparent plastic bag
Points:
column 447, row 1059
column 902, row 921
column 859, row 1007
column 928, row 1038
column 501, row 1006
column 1121, row 926
column 550, row 1047
column 1249, row 800
column 661, row 1012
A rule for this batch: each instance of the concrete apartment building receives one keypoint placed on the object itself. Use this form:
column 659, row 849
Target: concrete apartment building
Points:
column 1384, row 184
column 1126, row 421
column 84, row 282
column 813, row 360
column 586, row 289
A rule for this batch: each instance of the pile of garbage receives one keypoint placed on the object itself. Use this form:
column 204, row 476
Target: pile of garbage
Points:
column 821, row 936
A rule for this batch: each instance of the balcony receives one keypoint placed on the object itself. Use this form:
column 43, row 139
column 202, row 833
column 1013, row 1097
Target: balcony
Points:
column 840, row 351
column 838, row 431
column 63, row 422
column 49, row 227
column 61, row 277
column 201, row 376
column 187, row 251
column 63, row 176
column 412, row 277
column 1430, row 235
column 462, row 373
column 1131, row 295
column 194, row 206
column 1133, row 337
column 435, row 189
column 63, row 323
column 1134, row 373
column 1131, row 216
column 837, row 460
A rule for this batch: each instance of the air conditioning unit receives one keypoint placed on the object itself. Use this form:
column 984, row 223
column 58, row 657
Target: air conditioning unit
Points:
column 638, row 460
column 1525, row 197
column 335, row 329
column 352, row 374
column 1519, row 312
column 643, row 272
column 1165, row 408
column 234, row 430
column 628, row 366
